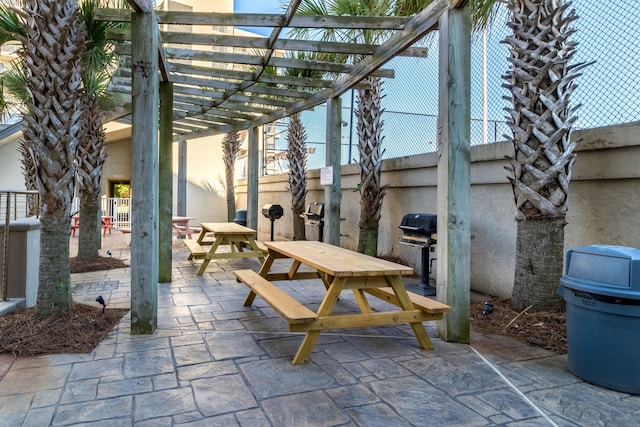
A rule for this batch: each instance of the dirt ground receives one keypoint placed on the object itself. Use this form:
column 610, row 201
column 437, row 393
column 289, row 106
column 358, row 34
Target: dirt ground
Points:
column 22, row 333
column 543, row 329
column 99, row 264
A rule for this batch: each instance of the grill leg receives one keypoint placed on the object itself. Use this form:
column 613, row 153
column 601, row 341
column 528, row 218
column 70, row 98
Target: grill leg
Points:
column 426, row 271
column 426, row 267
column 272, row 225
column 321, row 232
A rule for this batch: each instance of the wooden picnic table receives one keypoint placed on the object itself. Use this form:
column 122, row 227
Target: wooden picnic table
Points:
column 107, row 225
column 339, row 269
column 75, row 225
column 241, row 240
column 181, row 227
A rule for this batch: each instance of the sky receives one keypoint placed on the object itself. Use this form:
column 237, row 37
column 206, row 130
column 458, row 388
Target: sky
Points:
column 609, row 89
column 259, row 6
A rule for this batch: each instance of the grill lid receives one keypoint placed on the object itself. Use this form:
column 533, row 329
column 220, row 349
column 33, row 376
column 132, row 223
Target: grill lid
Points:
column 419, row 224
column 314, row 210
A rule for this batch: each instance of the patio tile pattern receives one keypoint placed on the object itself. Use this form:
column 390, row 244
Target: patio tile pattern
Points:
column 213, row 362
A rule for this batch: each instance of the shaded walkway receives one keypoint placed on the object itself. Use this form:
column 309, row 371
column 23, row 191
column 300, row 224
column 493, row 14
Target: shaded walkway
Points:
column 214, row 362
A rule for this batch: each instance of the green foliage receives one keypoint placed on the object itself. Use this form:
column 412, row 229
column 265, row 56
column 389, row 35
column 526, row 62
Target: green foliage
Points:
column 13, row 88
column 10, row 24
column 100, row 61
column 482, row 13
column 355, row 8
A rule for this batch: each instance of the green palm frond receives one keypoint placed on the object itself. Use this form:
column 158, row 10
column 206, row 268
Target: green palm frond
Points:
column 100, row 55
column 483, row 13
column 305, row 72
column 14, row 80
column 10, row 24
column 355, row 8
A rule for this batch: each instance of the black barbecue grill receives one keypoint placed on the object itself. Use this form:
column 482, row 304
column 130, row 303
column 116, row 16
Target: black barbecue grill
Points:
column 272, row 212
column 314, row 216
column 420, row 230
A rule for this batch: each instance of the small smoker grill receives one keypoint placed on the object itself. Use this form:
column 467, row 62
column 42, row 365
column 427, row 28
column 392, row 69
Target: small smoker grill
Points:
column 420, row 230
column 314, row 216
column 272, row 212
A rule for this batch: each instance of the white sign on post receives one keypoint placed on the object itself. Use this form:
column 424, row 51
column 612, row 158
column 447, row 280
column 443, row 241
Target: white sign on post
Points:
column 326, row 175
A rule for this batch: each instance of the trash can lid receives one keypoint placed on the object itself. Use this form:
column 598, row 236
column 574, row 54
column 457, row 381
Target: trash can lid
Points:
column 604, row 269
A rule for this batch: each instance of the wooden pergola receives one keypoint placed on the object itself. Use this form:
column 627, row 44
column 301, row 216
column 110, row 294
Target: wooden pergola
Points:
column 172, row 99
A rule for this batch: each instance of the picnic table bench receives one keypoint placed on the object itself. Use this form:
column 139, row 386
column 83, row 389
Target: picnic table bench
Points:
column 240, row 239
column 339, row 269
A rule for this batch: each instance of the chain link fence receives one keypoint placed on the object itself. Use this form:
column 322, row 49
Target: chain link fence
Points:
column 609, row 90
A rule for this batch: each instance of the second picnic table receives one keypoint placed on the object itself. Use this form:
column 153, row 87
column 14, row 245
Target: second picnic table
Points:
column 241, row 240
column 339, row 269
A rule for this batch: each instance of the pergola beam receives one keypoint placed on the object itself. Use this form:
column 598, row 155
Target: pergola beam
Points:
column 261, row 20
column 244, row 42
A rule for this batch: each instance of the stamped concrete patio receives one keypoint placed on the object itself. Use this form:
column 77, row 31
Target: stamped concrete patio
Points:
column 213, row 362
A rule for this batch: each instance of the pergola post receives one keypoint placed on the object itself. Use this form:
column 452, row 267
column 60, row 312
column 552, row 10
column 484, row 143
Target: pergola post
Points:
column 182, row 178
column 333, row 193
column 252, row 177
column 144, row 173
column 165, row 176
column 454, row 217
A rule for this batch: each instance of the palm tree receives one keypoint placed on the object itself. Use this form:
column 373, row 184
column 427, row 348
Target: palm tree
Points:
column 98, row 70
column 230, row 148
column 297, row 145
column 369, row 110
column 53, row 45
column 541, row 81
column 297, row 149
column 297, row 158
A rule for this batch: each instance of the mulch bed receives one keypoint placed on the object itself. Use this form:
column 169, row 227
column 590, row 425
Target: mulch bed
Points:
column 542, row 329
column 22, row 333
column 97, row 264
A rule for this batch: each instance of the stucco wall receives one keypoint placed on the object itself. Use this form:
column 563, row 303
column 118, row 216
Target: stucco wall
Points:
column 10, row 160
column 603, row 207
column 206, row 194
column 117, row 166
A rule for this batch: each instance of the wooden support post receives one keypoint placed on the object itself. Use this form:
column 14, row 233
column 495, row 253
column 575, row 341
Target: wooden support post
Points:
column 165, row 177
column 144, row 174
column 333, row 193
column 182, row 177
column 253, row 173
column 454, row 217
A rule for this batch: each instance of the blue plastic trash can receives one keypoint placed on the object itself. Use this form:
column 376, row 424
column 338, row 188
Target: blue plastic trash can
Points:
column 601, row 289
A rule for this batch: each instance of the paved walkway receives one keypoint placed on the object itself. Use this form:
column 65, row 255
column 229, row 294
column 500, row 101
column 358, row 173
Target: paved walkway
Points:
column 213, row 362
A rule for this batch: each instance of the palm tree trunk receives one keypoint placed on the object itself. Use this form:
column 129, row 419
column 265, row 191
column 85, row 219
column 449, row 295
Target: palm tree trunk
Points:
column 29, row 171
column 230, row 147
column 90, row 159
column 297, row 157
column 369, row 114
column 231, row 193
column 539, row 259
column 52, row 51
column 541, row 81
column 89, row 232
column 54, row 290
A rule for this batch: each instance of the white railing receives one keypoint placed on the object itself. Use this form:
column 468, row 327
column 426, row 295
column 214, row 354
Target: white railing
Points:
column 119, row 209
